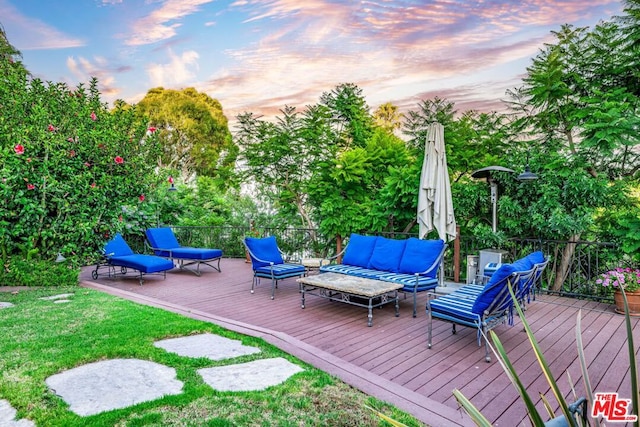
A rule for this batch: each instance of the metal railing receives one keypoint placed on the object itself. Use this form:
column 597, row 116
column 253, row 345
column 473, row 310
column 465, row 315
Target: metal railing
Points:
column 587, row 261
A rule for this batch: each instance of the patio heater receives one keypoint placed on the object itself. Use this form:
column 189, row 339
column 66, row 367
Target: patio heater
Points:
column 490, row 257
column 486, row 173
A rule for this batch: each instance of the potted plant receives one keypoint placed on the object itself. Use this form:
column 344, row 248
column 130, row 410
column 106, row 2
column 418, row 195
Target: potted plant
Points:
column 627, row 279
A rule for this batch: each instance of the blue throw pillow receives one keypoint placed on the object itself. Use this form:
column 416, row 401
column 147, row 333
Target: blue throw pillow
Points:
column 492, row 288
column 117, row 247
column 387, row 254
column 266, row 249
column 359, row 250
column 419, row 255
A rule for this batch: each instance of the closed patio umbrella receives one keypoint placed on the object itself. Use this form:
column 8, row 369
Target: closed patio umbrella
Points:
column 435, row 203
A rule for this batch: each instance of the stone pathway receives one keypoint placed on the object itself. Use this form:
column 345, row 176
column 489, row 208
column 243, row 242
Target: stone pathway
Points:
column 114, row 384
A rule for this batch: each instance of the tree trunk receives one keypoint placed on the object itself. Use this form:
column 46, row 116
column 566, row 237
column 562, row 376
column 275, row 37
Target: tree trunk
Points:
column 563, row 268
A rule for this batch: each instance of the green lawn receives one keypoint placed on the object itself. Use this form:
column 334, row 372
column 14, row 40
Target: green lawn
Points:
column 40, row 338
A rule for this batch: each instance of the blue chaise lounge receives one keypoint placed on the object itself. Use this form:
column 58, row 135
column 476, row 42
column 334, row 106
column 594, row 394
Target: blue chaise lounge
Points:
column 117, row 253
column 163, row 243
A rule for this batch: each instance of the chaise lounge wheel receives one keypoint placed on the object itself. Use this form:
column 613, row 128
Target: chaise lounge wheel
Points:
column 123, row 270
column 487, row 359
column 94, row 274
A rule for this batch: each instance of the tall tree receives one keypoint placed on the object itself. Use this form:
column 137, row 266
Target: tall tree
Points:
column 194, row 133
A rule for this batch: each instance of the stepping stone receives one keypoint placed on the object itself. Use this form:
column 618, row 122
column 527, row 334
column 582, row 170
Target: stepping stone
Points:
column 55, row 297
column 8, row 416
column 211, row 346
column 256, row 375
column 113, row 384
column 5, row 305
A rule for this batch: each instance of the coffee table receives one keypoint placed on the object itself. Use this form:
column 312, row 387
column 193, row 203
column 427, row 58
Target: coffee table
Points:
column 351, row 290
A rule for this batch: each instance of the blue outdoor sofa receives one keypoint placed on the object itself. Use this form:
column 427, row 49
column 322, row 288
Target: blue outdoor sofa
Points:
column 411, row 262
column 485, row 306
column 163, row 243
column 117, row 253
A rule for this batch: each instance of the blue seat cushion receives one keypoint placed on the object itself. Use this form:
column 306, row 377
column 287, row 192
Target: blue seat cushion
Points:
column 493, row 288
column 387, row 254
column 281, row 271
column 162, row 238
column 266, row 249
column 407, row 280
column 117, row 247
column 143, row 263
column 452, row 308
column 359, row 250
column 195, row 253
column 419, row 255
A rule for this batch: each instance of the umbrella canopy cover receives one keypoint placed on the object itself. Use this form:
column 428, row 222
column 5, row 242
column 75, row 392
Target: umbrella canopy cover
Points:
column 435, row 203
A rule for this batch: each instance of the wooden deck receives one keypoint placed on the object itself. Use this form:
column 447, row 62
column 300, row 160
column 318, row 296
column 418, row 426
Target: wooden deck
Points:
column 390, row 360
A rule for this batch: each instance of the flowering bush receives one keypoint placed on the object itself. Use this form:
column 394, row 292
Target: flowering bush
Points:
column 68, row 164
column 627, row 278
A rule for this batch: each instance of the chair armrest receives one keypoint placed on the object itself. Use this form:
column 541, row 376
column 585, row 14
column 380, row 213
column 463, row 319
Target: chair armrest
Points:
column 333, row 258
column 159, row 249
column 437, row 265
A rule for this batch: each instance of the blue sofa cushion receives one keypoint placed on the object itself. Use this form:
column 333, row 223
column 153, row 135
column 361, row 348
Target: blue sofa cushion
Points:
column 387, row 254
column 491, row 290
column 266, row 249
column 117, row 247
column 359, row 250
column 419, row 255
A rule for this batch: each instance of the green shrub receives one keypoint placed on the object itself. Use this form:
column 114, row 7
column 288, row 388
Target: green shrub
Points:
column 22, row 272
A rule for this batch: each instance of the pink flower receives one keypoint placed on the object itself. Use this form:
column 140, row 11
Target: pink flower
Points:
column 93, row 116
column 87, row 164
column 141, row 197
column 30, row 186
column 70, row 139
column 93, row 185
column 119, row 160
column 19, row 149
column 170, row 180
column 72, row 153
column 152, row 129
column 50, row 128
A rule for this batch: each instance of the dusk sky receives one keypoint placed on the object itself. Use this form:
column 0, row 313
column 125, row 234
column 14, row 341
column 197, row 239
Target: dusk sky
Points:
column 260, row 55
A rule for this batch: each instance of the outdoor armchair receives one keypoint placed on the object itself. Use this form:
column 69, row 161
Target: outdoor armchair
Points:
column 483, row 310
column 268, row 261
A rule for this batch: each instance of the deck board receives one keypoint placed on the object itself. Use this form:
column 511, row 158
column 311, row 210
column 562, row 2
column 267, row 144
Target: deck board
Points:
column 390, row 359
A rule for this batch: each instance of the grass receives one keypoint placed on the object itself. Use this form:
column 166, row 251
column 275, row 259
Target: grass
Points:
column 40, row 338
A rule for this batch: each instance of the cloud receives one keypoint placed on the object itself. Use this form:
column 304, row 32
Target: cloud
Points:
column 84, row 69
column 389, row 48
column 180, row 70
column 162, row 23
column 33, row 34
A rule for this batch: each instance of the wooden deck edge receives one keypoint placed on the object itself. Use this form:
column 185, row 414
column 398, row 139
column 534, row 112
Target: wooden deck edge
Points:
column 424, row 409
